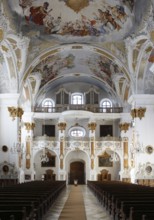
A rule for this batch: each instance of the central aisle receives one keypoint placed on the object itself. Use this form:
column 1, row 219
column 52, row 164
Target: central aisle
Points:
column 91, row 209
column 74, row 206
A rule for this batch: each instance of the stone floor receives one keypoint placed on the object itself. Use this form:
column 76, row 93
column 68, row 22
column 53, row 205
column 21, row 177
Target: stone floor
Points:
column 94, row 211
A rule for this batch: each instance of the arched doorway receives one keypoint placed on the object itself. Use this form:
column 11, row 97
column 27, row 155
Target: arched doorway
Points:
column 77, row 171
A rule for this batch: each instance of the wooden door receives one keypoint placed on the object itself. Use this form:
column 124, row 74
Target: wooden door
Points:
column 77, row 173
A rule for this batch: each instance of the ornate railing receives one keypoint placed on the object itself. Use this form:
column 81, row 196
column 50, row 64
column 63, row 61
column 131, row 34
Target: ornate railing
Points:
column 76, row 144
column 91, row 108
column 47, row 138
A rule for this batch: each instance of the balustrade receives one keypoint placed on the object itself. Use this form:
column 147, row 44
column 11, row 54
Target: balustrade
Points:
column 90, row 108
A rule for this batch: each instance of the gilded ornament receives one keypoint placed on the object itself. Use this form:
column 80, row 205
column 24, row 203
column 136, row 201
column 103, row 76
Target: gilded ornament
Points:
column 13, row 112
column 62, row 126
column 19, row 112
column 138, row 112
column 5, row 49
column 92, row 126
column 124, row 127
column 29, row 126
column 77, row 5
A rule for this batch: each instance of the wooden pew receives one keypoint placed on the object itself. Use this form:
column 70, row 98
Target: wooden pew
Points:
column 124, row 200
column 13, row 215
column 34, row 197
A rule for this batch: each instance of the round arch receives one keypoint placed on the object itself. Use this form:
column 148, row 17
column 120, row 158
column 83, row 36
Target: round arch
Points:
column 40, row 168
column 77, row 156
column 112, row 166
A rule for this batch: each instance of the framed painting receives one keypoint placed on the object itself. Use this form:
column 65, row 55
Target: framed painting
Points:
column 104, row 160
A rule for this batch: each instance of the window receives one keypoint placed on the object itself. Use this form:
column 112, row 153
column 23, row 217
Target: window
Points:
column 48, row 130
column 48, row 103
column 105, row 104
column 106, row 130
column 77, row 131
column 77, row 98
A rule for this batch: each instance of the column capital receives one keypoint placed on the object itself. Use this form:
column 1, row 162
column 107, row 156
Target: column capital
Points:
column 92, row 126
column 62, row 126
column 29, row 126
column 124, row 126
column 15, row 112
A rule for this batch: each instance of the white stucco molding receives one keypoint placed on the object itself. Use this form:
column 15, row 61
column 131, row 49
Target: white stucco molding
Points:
column 141, row 100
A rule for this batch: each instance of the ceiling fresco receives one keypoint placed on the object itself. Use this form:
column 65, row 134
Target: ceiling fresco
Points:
column 73, row 20
column 68, row 62
column 75, row 40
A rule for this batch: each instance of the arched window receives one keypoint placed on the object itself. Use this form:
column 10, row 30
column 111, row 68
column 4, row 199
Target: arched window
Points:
column 106, row 105
column 77, row 131
column 48, row 104
column 77, row 98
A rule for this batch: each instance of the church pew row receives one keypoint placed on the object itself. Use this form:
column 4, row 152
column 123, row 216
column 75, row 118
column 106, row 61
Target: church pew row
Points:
column 13, row 214
column 125, row 201
column 28, row 201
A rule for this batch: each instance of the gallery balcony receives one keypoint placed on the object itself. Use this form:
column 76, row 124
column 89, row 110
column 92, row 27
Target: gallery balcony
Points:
column 90, row 108
column 53, row 143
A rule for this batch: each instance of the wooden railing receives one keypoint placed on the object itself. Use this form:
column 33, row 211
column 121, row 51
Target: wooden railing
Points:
column 91, row 108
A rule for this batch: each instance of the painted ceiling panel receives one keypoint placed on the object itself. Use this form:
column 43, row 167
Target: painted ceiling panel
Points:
column 69, row 20
column 96, row 31
column 81, row 61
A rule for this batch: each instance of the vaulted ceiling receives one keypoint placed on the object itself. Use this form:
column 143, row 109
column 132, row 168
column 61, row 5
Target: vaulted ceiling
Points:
column 108, row 44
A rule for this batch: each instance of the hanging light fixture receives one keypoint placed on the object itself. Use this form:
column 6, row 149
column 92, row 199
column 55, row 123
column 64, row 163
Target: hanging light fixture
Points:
column 136, row 146
column 17, row 148
column 44, row 156
column 114, row 157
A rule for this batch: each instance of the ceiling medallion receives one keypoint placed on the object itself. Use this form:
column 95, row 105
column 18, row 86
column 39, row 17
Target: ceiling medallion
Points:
column 77, row 5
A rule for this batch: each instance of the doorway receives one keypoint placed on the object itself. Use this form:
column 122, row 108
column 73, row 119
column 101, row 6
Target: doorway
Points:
column 77, row 173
